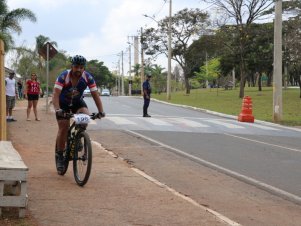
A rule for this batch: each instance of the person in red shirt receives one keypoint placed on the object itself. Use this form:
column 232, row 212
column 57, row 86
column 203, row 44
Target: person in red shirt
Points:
column 32, row 92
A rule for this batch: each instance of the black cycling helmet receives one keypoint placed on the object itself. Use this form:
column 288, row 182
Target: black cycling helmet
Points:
column 78, row 60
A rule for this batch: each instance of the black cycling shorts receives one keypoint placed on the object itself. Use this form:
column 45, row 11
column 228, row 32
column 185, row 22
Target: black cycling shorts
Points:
column 74, row 107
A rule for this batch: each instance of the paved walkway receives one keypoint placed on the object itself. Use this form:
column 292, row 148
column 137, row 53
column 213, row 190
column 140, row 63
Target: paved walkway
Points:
column 115, row 194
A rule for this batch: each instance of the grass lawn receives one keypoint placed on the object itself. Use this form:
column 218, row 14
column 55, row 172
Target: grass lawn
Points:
column 228, row 102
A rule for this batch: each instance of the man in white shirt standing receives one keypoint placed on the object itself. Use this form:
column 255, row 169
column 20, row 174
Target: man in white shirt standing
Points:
column 10, row 88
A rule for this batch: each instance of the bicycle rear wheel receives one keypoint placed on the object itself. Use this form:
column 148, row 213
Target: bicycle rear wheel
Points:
column 82, row 161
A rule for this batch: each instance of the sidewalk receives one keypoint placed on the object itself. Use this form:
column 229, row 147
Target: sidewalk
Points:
column 114, row 195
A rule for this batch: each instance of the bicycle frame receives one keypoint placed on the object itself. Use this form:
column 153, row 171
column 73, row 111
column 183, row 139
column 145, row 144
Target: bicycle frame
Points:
column 78, row 148
column 73, row 131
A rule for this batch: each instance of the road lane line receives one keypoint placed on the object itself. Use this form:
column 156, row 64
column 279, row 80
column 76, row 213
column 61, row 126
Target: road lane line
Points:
column 273, row 190
column 219, row 216
column 261, row 142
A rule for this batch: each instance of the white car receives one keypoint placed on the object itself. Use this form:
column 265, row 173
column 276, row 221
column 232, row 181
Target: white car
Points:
column 105, row 92
column 87, row 92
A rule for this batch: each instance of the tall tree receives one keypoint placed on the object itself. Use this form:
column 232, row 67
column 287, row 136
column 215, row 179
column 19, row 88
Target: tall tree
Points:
column 24, row 63
column 136, row 69
column 292, row 39
column 40, row 42
column 186, row 24
column 209, row 72
column 158, row 78
column 101, row 73
column 259, row 52
column 201, row 50
column 136, row 81
column 10, row 22
column 242, row 13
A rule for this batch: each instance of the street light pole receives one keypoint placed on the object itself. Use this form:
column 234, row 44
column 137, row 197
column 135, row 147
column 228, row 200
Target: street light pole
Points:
column 122, row 75
column 277, row 75
column 119, row 83
column 130, row 69
column 169, row 52
column 142, row 61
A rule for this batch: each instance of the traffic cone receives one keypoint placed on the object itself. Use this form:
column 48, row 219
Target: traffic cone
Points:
column 246, row 114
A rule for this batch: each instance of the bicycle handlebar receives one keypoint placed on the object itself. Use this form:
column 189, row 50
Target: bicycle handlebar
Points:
column 92, row 116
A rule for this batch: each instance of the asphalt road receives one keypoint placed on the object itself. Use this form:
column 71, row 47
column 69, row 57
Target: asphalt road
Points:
column 262, row 154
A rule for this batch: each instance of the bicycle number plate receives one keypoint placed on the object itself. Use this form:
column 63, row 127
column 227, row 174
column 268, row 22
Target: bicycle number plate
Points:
column 81, row 119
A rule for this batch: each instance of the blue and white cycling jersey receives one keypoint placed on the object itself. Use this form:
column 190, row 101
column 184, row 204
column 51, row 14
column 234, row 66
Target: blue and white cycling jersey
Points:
column 73, row 94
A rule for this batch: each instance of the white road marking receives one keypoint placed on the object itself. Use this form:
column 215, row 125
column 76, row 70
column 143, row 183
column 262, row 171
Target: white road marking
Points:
column 121, row 121
column 250, row 180
column 157, row 122
column 261, row 142
column 226, row 124
column 124, row 115
column 187, row 122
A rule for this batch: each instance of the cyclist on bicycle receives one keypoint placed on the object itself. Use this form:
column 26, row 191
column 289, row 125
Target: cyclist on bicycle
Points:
column 68, row 97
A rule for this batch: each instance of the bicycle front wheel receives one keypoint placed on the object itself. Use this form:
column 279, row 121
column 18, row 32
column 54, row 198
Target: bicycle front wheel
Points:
column 82, row 161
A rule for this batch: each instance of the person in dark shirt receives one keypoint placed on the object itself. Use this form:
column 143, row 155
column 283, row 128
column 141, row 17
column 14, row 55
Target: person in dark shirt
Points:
column 146, row 94
column 68, row 97
column 20, row 89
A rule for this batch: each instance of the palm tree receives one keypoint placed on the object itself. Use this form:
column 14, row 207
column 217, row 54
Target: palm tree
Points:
column 136, row 81
column 40, row 42
column 158, row 79
column 136, row 69
column 10, row 22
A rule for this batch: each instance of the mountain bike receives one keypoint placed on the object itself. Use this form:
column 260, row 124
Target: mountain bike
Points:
column 78, row 147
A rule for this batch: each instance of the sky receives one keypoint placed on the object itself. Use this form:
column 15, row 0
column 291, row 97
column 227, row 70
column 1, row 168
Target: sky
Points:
column 96, row 29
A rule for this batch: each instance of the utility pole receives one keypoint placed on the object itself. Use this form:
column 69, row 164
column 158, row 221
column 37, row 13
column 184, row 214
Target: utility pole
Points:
column 122, row 75
column 136, row 50
column 169, row 52
column 130, row 67
column 207, row 84
column 277, row 75
column 119, row 85
column 116, row 84
column 142, row 61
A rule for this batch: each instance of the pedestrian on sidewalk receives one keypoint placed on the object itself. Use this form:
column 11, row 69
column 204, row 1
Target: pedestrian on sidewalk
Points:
column 20, row 89
column 146, row 94
column 11, row 94
column 32, row 92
